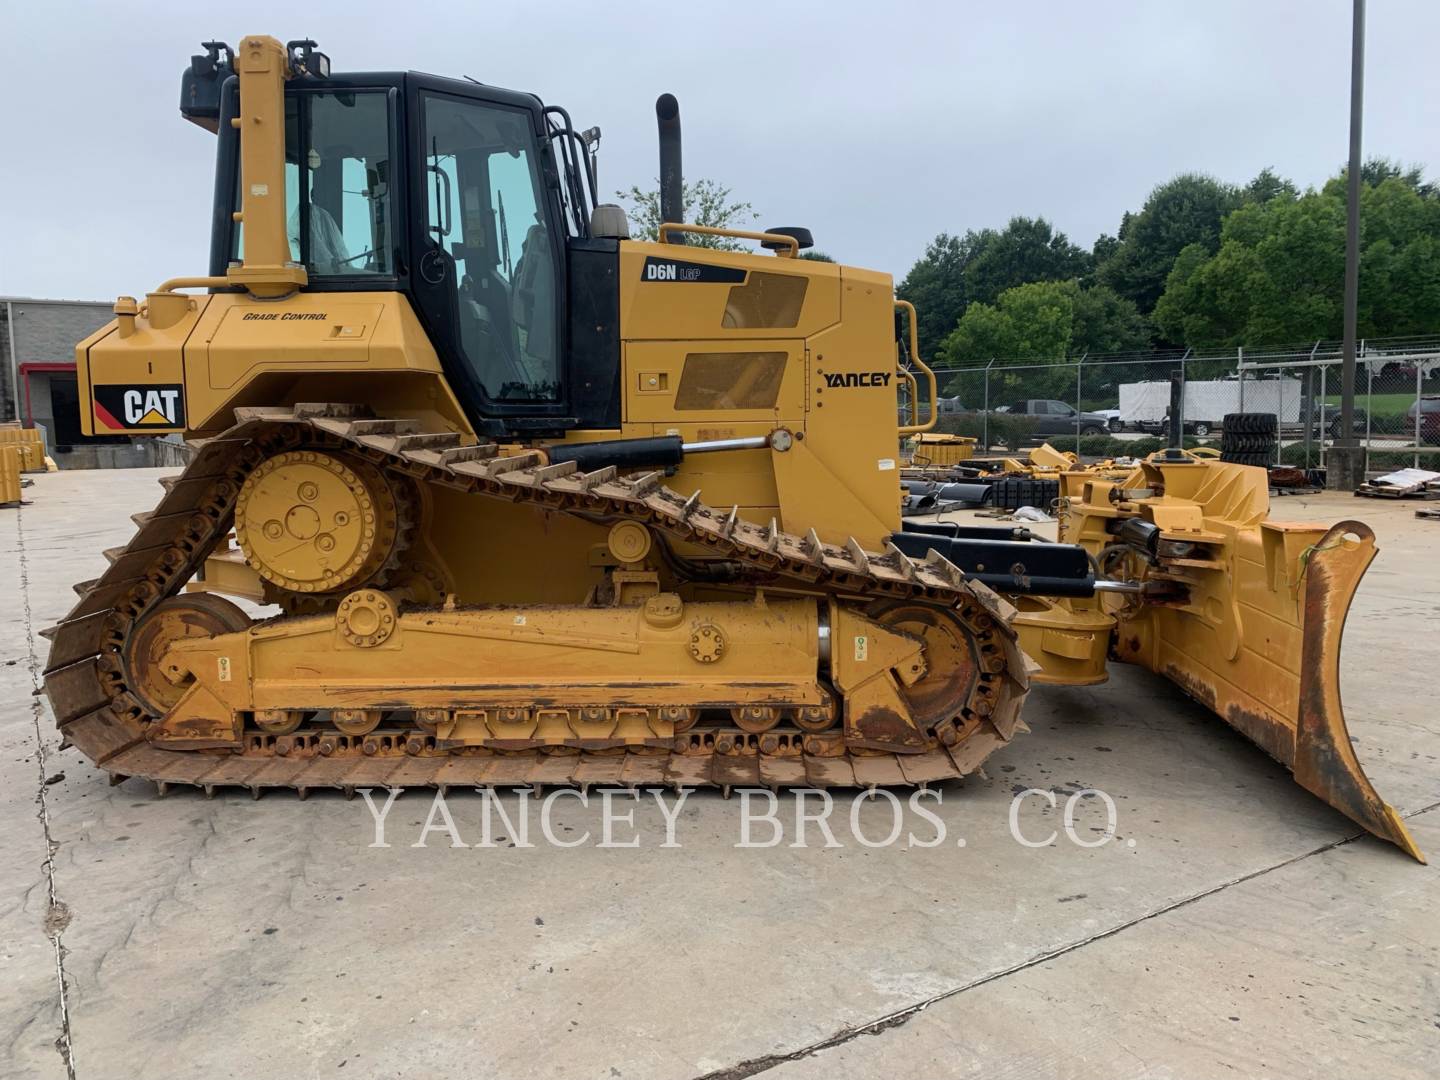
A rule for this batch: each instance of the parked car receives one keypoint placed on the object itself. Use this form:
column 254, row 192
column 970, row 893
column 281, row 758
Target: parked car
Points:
column 1112, row 419
column 1057, row 418
column 1198, row 428
column 1430, row 428
column 1428, row 408
column 1428, row 403
column 1329, row 421
column 949, row 405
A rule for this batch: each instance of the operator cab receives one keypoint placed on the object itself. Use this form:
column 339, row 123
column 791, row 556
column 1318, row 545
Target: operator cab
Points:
column 473, row 200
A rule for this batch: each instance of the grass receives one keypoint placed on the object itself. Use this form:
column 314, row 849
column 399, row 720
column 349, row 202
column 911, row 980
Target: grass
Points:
column 1380, row 403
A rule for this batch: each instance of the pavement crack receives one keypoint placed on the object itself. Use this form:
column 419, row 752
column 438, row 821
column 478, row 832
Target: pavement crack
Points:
column 57, row 912
column 756, row 1066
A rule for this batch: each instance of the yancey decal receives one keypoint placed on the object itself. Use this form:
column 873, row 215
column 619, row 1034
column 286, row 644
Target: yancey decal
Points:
column 153, row 405
column 675, row 270
column 857, row 378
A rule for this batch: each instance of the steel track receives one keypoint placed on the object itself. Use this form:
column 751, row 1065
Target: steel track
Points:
column 96, row 712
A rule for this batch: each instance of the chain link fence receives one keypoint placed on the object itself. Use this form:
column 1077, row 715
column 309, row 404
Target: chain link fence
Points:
column 1103, row 406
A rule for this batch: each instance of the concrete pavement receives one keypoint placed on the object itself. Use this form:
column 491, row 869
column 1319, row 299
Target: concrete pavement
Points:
column 1234, row 925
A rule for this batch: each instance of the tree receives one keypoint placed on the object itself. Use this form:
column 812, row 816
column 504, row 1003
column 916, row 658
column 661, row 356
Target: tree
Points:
column 816, row 256
column 1106, row 322
column 1377, row 170
column 1267, row 185
column 1279, row 270
column 1104, row 249
column 1032, row 322
column 1046, row 320
column 936, row 286
column 1183, row 211
column 705, row 202
column 1026, row 250
column 956, row 271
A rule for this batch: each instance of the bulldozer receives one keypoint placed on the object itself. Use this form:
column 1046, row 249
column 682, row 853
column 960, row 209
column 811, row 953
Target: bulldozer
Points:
column 451, row 425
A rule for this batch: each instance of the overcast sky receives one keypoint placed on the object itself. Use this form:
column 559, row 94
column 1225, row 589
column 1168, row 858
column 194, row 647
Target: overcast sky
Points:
column 876, row 124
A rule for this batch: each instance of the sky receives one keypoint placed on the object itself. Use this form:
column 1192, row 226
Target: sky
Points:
column 876, row 125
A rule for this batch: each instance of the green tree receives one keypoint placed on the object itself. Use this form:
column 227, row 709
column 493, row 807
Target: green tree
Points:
column 705, row 203
column 1026, row 250
column 1034, row 321
column 1180, row 212
column 1267, row 185
column 936, row 286
column 1047, row 320
column 1106, row 322
column 1279, row 271
column 816, row 256
column 956, row 271
column 1104, row 249
column 1377, row 170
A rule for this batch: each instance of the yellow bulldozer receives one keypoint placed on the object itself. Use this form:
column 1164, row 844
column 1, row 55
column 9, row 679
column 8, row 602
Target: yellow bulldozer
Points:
column 455, row 425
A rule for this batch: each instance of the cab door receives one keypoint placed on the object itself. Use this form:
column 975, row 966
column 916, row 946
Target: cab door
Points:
column 488, row 243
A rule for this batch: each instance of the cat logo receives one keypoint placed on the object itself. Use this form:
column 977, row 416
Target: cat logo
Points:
column 127, row 408
column 857, row 378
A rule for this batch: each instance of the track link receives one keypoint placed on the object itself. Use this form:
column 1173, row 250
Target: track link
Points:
column 96, row 712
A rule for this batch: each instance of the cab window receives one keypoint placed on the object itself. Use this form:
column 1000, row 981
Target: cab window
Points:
column 488, row 244
column 337, row 184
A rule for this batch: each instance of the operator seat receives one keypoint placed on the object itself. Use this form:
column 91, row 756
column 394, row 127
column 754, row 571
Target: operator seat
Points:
column 487, row 323
column 535, row 299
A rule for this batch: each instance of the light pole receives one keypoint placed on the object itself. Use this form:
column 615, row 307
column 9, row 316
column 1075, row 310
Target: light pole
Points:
column 1346, row 463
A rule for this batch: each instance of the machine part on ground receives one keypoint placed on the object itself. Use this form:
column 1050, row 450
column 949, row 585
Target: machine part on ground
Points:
column 931, row 449
column 492, row 556
column 28, row 445
column 932, row 497
column 1012, row 493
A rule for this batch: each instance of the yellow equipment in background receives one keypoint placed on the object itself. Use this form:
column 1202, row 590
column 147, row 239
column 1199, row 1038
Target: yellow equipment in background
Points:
column 28, row 445
column 537, row 503
column 933, row 449
column 9, row 474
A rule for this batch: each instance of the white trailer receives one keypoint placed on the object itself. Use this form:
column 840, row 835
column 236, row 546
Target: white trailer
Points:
column 1144, row 404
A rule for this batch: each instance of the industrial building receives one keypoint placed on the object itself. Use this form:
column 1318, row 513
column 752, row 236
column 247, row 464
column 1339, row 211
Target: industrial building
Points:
column 37, row 379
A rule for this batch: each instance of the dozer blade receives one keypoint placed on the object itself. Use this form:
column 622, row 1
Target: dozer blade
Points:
column 1260, row 645
column 1324, row 760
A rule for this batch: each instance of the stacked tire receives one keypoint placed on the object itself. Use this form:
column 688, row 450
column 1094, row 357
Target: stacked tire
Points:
column 1250, row 439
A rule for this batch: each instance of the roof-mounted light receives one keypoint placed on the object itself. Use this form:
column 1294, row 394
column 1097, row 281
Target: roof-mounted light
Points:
column 306, row 59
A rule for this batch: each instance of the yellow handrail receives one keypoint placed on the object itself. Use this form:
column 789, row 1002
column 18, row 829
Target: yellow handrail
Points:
column 914, row 396
column 741, row 234
column 192, row 283
column 917, row 427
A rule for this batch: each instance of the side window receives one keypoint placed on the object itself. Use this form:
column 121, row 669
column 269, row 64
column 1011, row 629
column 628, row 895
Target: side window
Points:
column 339, row 220
column 490, row 245
column 337, row 184
column 1059, row 408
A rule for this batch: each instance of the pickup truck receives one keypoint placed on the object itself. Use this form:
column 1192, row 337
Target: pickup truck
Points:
column 1057, row 418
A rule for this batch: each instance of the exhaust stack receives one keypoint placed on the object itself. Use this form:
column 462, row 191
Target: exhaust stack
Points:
column 672, row 178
